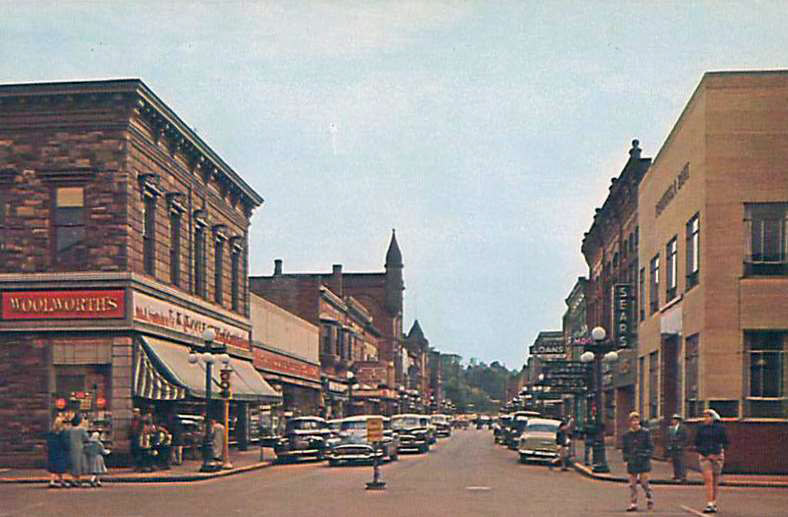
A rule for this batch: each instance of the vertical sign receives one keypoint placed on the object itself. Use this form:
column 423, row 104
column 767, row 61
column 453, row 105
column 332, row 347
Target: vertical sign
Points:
column 622, row 314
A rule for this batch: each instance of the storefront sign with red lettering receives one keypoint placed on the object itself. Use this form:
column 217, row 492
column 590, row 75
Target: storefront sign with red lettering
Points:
column 60, row 305
column 278, row 363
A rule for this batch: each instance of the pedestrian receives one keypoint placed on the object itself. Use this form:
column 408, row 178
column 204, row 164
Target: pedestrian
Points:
column 94, row 459
column 76, row 437
column 217, row 430
column 678, row 438
column 162, row 444
column 711, row 442
column 562, row 441
column 637, row 454
column 135, row 432
column 57, row 452
column 146, row 451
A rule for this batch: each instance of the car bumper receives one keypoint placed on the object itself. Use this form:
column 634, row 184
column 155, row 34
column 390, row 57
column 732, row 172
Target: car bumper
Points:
column 282, row 453
column 538, row 454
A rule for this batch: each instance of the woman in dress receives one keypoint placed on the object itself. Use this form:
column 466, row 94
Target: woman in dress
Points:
column 77, row 436
column 57, row 453
column 94, row 459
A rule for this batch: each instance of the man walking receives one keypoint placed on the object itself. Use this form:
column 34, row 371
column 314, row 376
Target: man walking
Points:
column 677, row 442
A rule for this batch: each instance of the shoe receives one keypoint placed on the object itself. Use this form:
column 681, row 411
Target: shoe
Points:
column 710, row 508
column 632, row 508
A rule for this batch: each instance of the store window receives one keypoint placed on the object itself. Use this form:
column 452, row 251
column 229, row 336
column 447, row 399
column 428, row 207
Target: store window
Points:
column 768, row 245
column 766, row 355
column 654, row 288
column 69, row 225
column 693, row 251
column 691, row 389
column 653, row 384
column 671, row 269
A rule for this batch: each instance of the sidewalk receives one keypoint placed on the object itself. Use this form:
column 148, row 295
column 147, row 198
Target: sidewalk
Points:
column 242, row 461
column 662, row 473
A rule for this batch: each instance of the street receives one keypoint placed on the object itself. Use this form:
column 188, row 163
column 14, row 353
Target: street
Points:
column 463, row 475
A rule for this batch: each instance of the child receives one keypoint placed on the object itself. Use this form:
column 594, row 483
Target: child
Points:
column 94, row 459
column 637, row 453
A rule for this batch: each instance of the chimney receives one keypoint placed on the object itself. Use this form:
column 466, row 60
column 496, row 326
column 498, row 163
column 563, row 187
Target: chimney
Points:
column 336, row 273
column 277, row 267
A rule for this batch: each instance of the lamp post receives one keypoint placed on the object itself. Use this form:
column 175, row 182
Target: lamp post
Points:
column 351, row 380
column 600, row 350
column 208, row 357
column 401, row 391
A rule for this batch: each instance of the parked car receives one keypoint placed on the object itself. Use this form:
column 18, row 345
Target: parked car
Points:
column 517, row 426
column 303, row 437
column 413, row 430
column 442, row 425
column 334, row 425
column 354, row 447
column 538, row 441
column 499, row 428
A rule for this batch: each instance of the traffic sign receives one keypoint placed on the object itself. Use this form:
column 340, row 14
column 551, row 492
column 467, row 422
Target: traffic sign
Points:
column 374, row 430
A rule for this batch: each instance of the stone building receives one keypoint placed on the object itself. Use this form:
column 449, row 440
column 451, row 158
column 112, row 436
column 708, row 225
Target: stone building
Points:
column 123, row 237
column 714, row 267
column 575, row 329
column 610, row 248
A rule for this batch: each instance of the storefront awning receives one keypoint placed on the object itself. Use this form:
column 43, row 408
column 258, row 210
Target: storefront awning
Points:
column 171, row 360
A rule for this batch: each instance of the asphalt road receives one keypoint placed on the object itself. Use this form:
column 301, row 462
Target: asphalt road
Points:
column 462, row 475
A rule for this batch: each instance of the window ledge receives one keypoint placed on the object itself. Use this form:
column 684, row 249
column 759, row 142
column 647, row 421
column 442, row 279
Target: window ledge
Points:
column 671, row 303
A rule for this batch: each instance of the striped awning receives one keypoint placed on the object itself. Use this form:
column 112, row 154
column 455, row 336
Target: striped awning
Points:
column 149, row 383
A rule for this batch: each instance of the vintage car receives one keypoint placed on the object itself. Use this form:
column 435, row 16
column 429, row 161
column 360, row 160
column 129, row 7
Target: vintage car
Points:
column 442, row 425
column 303, row 436
column 353, row 445
column 414, row 432
column 334, row 425
column 499, row 428
column 517, row 426
column 538, row 441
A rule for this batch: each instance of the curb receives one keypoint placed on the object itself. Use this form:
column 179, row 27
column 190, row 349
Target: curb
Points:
column 587, row 472
column 176, row 478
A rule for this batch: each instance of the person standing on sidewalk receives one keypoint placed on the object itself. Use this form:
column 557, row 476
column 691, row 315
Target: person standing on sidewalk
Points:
column 94, row 459
column 57, row 453
column 711, row 442
column 677, row 442
column 77, row 436
column 637, row 454
column 562, row 441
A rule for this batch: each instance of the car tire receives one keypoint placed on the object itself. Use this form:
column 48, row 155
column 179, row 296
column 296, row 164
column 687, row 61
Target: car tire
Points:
column 523, row 459
column 424, row 448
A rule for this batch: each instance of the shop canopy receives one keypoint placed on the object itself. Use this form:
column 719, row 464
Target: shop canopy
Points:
column 163, row 372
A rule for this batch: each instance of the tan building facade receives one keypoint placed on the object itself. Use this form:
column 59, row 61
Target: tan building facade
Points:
column 713, row 279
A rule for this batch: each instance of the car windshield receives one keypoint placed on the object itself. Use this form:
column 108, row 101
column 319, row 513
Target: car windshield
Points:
column 542, row 428
column 404, row 423
column 304, row 425
column 358, row 425
column 440, row 419
column 424, row 422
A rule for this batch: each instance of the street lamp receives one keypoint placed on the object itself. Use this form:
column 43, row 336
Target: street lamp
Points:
column 208, row 357
column 600, row 350
column 401, row 391
column 351, row 380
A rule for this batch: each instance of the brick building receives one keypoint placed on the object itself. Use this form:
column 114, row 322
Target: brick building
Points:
column 123, row 236
column 714, row 267
column 610, row 248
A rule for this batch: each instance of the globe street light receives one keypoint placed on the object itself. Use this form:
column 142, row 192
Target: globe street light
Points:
column 600, row 350
column 351, row 380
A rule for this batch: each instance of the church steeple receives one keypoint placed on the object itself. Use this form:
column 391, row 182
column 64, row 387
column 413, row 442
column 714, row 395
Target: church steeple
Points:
column 393, row 255
column 394, row 283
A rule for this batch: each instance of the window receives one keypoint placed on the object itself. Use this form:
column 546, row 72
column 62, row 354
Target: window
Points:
column 69, row 224
column 328, row 341
column 654, row 288
column 693, row 251
column 691, row 390
column 653, row 387
column 235, row 272
column 670, row 269
column 3, row 211
column 199, row 260
column 766, row 352
column 642, row 290
column 767, row 242
column 641, row 383
column 149, row 235
column 218, row 271
column 175, row 247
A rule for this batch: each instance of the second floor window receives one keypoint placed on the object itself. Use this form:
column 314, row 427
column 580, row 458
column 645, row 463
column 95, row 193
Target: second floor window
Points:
column 767, row 238
column 149, row 235
column 235, row 273
column 693, row 251
column 218, row 271
column 3, row 211
column 671, row 269
column 69, row 224
column 199, row 261
column 654, row 288
column 175, row 247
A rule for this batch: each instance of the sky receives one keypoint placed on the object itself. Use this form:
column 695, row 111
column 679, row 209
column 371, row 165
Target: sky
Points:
column 486, row 133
